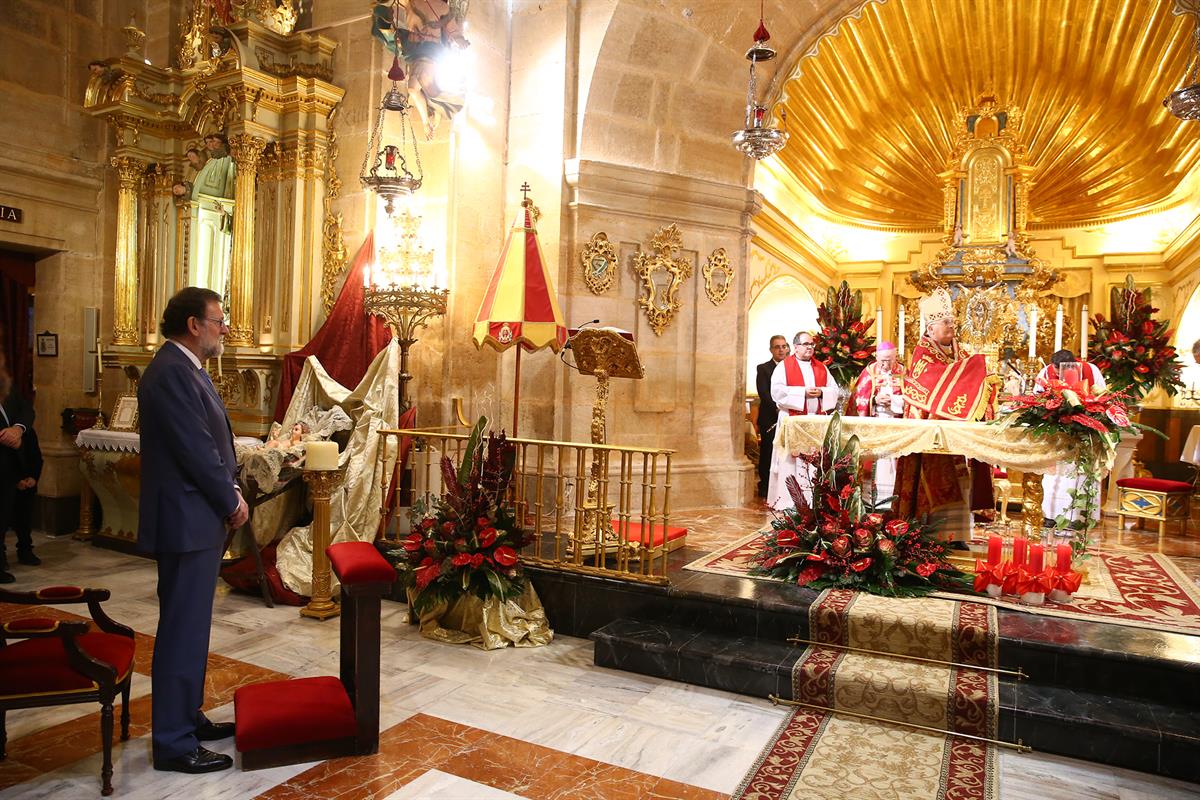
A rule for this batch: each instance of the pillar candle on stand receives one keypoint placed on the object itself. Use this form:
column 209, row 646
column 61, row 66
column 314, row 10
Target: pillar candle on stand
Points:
column 1083, row 334
column 1058, row 328
column 1063, row 563
column 1036, row 553
column 320, row 455
column 1033, row 315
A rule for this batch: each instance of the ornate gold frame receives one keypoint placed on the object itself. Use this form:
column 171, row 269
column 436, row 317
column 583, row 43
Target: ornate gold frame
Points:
column 718, row 261
column 598, row 247
column 664, row 243
column 126, row 399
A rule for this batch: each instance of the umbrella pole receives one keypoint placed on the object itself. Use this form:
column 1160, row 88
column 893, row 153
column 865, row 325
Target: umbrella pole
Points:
column 517, row 392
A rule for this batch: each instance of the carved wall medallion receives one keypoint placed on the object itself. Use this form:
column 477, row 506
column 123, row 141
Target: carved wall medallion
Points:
column 662, row 275
column 599, row 259
column 718, row 276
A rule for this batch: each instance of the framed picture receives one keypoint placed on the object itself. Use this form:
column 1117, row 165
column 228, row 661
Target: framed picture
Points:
column 124, row 414
column 47, row 344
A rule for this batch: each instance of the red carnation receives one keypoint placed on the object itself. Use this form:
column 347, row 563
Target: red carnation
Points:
column 487, row 537
column 505, row 556
column 787, row 538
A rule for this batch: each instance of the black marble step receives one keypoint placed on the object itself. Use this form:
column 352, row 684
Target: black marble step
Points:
column 1120, row 731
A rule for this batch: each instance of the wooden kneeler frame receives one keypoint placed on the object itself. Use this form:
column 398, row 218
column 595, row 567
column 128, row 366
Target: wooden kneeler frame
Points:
column 368, row 577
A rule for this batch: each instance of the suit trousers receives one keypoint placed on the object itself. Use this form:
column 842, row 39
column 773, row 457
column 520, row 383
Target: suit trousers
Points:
column 766, row 449
column 186, row 584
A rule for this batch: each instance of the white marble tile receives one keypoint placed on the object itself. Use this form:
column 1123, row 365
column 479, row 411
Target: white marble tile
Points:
column 436, row 785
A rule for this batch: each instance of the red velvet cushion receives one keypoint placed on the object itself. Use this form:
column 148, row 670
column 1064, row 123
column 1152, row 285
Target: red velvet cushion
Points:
column 1154, row 485
column 60, row 592
column 40, row 665
column 999, row 473
column 285, row 713
column 30, row 624
column 359, row 562
column 637, row 533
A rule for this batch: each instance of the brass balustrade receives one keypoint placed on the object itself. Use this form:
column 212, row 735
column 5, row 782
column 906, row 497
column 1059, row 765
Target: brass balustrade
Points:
column 566, row 493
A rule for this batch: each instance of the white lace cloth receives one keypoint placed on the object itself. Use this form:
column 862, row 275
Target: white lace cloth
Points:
column 131, row 442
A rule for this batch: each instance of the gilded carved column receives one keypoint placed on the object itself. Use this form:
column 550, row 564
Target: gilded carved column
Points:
column 246, row 151
column 126, row 325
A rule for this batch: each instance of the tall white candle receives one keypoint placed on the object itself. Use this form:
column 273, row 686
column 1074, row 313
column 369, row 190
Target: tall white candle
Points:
column 1033, row 320
column 1058, row 328
column 320, row 455
column 1083, row 334
column 900, row 346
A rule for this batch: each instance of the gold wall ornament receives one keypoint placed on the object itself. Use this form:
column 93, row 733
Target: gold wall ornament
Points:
column 662, row 275
column 333, row 245
column 718, row 276
column 599, row 261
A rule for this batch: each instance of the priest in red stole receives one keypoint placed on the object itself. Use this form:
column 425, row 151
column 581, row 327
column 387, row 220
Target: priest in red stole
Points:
column 944, row 383
column 800, row 385
column 879, row 393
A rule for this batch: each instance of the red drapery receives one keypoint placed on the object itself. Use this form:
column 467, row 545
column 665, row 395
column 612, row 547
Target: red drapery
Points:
column 347, row 342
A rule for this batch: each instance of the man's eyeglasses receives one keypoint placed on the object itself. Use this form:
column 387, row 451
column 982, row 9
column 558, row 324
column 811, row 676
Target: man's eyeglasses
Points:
column 807, row 344
column 220, row 322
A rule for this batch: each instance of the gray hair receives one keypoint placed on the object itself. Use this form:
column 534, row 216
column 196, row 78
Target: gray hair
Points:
column 796, row 338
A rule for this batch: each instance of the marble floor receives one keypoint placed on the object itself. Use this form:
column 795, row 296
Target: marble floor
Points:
column 457, row 722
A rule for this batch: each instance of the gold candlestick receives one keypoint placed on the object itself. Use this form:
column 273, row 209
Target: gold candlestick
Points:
column 321, row 484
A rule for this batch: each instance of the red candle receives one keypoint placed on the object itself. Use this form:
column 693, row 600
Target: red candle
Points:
column 1035, row 558
column 1064, row 558
column 1019, row 551
column 994, row 547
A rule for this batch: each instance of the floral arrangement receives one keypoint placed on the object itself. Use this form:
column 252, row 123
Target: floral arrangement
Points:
column 1133, row 349
column 1094, row 421
column 842, row 342
column 469, row 539
column 835, row 542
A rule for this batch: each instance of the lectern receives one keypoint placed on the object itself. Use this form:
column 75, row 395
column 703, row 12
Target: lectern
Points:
column 603, row 353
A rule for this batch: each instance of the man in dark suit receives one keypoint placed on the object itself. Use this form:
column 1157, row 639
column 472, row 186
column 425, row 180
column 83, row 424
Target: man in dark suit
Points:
column 16, row 420
column 768, row 412
column 22, row 515
column 188, row 498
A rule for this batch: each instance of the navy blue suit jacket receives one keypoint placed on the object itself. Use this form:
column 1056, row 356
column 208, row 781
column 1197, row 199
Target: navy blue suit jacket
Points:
column 188, row 465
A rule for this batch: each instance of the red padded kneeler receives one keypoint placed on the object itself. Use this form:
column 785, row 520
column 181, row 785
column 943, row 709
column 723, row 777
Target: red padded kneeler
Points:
column 288, row 713
column 1154, row 485
column 676, row 537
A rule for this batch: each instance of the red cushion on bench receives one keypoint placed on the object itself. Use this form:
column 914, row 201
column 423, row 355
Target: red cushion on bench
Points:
column 1154, row 485
column 655, row 538
column 359, row 562
column 285, row 713
column 40, row 665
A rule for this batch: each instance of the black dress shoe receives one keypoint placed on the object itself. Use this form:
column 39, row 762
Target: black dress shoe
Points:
column 198, row 761
column 28, row 559
column 215, row 731
column 6, row 576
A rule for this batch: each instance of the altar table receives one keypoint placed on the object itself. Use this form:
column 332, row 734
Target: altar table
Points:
column 1006, row 447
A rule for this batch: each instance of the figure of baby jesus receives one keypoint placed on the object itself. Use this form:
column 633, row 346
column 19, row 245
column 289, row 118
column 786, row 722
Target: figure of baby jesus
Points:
column 291, row 440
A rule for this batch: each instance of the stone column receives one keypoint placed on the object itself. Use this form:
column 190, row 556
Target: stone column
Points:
column 126, row 325
column 246, row 151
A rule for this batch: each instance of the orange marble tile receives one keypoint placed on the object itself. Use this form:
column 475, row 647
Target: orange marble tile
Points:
column 421, row 743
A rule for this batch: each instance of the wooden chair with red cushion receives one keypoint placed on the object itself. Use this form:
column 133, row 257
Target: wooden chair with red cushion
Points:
column 57, row 662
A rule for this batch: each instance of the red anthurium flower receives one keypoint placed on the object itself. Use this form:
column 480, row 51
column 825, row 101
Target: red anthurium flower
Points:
column 460, row 544
column 1118, row 416
column 431, row 547
column 428, row 523
column 461, row 559
column 482, row 522
column 477, row 560
column 926, row 569
column 787, row 538
column 447, row 528
column 505, row 556
column 487, row 537
column 861, row 564
column 896, row 527
column 412, row 542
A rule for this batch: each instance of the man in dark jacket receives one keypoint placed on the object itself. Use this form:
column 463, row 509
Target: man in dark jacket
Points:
column 16, row 422
column 188, row 498
column 768, row 412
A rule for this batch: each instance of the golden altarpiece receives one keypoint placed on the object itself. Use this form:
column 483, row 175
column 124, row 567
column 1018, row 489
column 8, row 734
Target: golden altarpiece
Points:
column 986, row 261
column 269, row 243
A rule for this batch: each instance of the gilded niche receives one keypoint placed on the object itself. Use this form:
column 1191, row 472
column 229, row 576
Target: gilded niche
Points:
column 661, row 276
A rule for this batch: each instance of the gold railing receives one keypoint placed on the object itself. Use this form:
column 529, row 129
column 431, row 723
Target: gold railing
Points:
column 593, row 509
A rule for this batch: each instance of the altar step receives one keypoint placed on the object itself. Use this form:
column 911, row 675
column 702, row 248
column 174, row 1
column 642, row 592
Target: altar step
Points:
column 1120, row 719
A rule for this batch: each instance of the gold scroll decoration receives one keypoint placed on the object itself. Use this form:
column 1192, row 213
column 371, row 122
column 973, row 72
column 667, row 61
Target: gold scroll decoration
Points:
column 599, row 260
column 333, row 246
column 662, row 275
column 718, row 276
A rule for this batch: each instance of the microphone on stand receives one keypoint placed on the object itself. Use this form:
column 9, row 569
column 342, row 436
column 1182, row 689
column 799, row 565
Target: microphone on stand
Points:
column 573, row 331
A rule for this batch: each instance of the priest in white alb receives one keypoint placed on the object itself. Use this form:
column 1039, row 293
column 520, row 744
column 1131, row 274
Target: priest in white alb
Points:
column 880, row 393
column 1058, row 484
column 801, row 385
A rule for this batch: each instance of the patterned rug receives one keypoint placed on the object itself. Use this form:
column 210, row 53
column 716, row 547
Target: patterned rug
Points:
column 823, row 755
column 1142, row 590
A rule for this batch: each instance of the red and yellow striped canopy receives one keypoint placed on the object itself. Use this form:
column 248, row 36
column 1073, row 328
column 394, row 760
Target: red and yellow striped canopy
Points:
column 520, row 304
